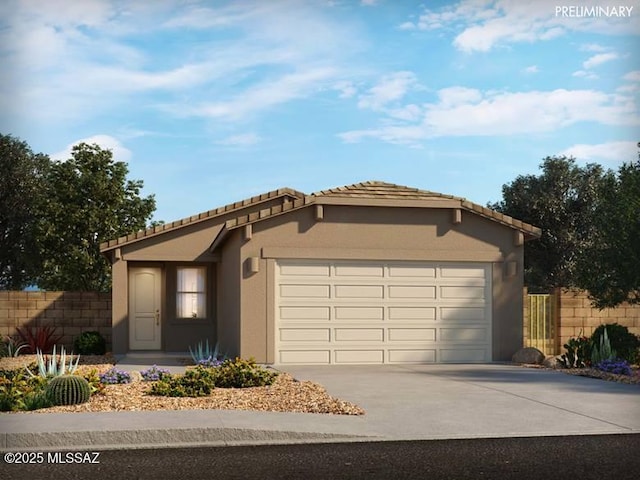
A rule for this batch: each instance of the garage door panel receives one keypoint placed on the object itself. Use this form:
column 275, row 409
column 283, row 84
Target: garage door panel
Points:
column 463, row 334
column 305, row 291
column 476, row 314
column 412, row 313
column 359, row 334
column 412, row 271
column 412, row 356
column 359, row 356
column 305, row 313
column 359, row 270
column 463, row 355
column 359, row 291
column 412, row 291
column 306, row 357
column 359, row 313
column 476, row 293
column 412, row 334
column 304, row 270
column 305, row 335
column 337, row 312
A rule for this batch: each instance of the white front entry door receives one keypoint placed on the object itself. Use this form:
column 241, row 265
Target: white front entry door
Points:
column 144, row 308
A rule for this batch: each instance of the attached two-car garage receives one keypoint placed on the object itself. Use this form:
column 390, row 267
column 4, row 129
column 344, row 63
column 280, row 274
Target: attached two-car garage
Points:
column 374, row 312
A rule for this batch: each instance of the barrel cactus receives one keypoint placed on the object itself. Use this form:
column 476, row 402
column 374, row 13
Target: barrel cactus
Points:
column 68, row 390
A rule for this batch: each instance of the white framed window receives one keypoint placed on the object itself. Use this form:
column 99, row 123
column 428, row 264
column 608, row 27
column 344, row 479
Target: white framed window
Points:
column 191, row 298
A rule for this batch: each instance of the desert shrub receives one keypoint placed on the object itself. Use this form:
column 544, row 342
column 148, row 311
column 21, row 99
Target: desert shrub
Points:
column 42, row 338
column 17, row 389
column 153, row 374
column 619, row 367
column 196, row 382
column 90, row 343
column 114, row 376
column 578, row 353
column 95, row 385
column 239, row 373
column 625, row 343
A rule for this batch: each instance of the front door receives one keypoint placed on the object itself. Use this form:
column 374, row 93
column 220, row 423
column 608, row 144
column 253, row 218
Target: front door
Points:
column 144, row 308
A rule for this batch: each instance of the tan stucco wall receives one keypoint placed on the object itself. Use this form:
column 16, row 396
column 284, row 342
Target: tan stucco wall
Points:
column 377, row 233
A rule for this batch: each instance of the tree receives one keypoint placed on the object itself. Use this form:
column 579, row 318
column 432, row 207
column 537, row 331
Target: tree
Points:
column 22, row 184
column 561, row 201
column 610, row 268
column 90, row 201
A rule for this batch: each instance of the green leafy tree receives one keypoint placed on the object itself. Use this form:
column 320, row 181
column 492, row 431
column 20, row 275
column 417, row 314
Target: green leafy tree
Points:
column 90, row 201
column 22, row 184
column 562, row 201
column 610, row 268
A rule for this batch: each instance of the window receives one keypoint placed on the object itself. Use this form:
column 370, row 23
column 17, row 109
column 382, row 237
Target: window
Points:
column 191, row 297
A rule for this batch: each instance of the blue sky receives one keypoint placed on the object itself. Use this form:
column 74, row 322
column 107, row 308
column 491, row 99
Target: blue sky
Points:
column 210, row 102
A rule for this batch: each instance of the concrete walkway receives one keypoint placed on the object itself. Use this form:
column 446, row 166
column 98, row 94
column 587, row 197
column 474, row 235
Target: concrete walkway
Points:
column 402, row 403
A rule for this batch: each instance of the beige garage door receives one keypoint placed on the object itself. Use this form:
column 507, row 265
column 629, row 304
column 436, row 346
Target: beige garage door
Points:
column 382, row 312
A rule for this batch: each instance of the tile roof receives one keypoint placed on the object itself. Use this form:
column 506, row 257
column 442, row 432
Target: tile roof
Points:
column 295, row 200
column 150, row 232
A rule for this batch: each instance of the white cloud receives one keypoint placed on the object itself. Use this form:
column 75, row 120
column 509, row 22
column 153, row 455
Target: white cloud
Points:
column 243, row 140
column 599, row 59
column 484, row 24
column 463, row 111
column 593, row 47
column 585, row 74
column 611, row 152
column 531, row 69
column 391, row 87
column 106, row 142
column 368, row 3
column 346, row 89
column 632, row 76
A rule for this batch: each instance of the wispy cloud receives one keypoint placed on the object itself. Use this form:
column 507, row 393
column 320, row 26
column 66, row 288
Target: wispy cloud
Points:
column 462, row 111
column 531, row 69
column 599, row 59
column 632, row 76
column 611, row 152
column 484, row 24
column 390, row 88
column 242, row 140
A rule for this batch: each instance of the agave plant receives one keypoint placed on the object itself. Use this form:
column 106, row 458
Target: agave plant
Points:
column 51, row 366
column 201, row 353
column 11, row 347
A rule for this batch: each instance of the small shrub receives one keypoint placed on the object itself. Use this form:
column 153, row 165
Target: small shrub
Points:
column 196, row 382
column 602, row 350
column 90, row 343
column 68, row 390
column 17, row 390
column 578, row 353
column 40, row 338
column 114, row 376
column 210, row 362
column 241, row 373
column 617, row 366
column 625, row 343
column 10, row 347
column 95, row 385
column 36, row 400
column 154, row 374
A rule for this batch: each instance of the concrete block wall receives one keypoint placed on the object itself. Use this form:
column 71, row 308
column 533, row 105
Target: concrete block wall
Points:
column 576, row 315
column 71, row 313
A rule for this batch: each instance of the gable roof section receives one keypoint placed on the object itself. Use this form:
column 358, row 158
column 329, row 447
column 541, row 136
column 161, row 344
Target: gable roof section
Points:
column 376, row 193
column 286, row 193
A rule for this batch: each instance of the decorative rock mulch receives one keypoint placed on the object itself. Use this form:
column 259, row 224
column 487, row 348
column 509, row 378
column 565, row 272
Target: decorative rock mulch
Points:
column 594, row 373
column 285, row 395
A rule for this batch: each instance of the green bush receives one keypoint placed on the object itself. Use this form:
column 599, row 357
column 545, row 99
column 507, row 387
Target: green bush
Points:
column 196, row 382
column 18, row 390
column 578, row 353
column 68, row 390
column 241, row 373
column 625, row 343
column 90, row 343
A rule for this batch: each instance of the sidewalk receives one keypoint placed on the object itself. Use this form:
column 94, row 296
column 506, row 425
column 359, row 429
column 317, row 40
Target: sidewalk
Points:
column 402, row 403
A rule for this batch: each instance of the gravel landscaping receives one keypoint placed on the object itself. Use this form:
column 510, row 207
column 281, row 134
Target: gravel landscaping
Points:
column 285, row 395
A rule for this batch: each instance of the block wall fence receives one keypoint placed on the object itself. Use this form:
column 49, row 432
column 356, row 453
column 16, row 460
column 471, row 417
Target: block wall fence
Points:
column 70, row 312
column 76, row 312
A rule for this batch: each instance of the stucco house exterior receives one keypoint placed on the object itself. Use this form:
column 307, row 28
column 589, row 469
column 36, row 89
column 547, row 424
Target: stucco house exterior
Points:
column 368, row 273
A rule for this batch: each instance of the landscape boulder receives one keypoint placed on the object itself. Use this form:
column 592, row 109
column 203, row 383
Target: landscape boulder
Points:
column 528, row 355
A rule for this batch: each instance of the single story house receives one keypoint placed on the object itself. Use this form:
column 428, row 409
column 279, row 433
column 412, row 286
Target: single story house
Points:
column 369, row 273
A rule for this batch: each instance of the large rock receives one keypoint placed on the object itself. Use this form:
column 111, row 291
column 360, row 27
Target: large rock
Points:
column 551, row 362
column 528, row 355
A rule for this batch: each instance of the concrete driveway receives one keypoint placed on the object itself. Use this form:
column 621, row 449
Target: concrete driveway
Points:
column 466, row 401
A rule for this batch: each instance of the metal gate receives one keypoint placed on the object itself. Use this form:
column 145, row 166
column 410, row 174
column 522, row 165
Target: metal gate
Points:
column 540, row 324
